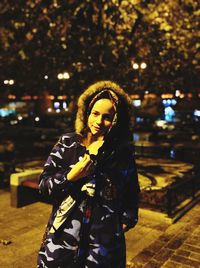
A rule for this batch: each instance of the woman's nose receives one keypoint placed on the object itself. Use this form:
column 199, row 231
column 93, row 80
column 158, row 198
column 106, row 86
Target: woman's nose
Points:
column 99, row 120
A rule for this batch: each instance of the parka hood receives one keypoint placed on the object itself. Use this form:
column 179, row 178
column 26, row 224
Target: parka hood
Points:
column 86, row 97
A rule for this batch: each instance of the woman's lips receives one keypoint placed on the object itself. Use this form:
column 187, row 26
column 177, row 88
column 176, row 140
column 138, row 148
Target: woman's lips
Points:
column 97, row 128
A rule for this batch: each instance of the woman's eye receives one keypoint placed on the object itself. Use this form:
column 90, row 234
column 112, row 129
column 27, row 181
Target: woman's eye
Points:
column 107, row 117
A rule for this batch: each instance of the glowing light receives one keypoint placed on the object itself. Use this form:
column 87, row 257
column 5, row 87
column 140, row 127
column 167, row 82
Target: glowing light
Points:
column 66, row 75
column 143, row 65
column 172, row 154
column 135, row 66
column 13, row 122
column 56, row 104
column 27, row 97
column 60, row 76
column 37, row 119
column 197, row 112
column 177, row 93
column 152, row 96
column 135, row 96
column 9, row 82
column 64, row 105
column 169, row 114
column 49, row 110
column 160, row 123
column 62, row 97
column 19, row 117
column 57, row 110
column 46, row 77
column 11, row 97
column 174, row 102
column 136, row 103
column 169, row 101
column 167, row 96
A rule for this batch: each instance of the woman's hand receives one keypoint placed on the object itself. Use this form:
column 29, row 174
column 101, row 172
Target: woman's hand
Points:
column 81, row 169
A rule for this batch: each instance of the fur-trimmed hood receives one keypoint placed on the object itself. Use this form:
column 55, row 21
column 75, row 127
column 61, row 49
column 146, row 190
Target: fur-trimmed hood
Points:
column 86, row 97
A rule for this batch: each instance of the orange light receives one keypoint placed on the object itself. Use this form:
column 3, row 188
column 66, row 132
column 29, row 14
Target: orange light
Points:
column 182, row 95
column 62, row 97
column 11, row 97
column 135, row 96
column 152, row 96
column 27, row 97
column 51, row 97
column 167, row 96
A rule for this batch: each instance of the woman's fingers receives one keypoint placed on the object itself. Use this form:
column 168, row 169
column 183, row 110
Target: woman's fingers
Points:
column 89, row 188
column 81, row 169
column 88, row 164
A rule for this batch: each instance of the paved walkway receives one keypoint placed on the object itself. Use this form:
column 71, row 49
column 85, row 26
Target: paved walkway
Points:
column 165, row 245
column 154, row 242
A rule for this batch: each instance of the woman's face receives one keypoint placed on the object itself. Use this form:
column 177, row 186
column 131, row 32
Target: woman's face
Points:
column 100, row 118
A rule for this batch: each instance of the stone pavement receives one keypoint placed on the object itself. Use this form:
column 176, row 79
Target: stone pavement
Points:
column 154, row 242
column 175, row 245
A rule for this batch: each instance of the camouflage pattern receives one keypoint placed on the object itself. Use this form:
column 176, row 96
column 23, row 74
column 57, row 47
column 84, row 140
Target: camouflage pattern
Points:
column 91, row 234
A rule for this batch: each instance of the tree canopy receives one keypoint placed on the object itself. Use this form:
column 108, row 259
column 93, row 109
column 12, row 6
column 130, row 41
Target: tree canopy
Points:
column 94, row 40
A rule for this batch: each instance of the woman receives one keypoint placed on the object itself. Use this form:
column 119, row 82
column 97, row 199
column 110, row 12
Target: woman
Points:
column 92, row 180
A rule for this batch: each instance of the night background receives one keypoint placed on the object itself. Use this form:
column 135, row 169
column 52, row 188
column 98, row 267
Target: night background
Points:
column 50, row 51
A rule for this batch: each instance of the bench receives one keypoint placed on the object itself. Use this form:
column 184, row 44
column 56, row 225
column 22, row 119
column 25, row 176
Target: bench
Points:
column 24, row 187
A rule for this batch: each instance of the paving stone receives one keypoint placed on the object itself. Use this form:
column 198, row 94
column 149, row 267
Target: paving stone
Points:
column 193, row 241
column 156, row 246
column 191, row 248
column 134, row 265
column 184, row 253
column 195, row 256
column 174, row 244
column 153, row 264
column 166, row 238
column 147, row 243
column 163, row 255
column 185, row 261
column 143, row 257
column 172, row 264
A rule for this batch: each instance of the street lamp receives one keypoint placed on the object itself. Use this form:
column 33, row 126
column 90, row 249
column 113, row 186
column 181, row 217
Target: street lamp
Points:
column 139, row 67
column 9, row 82
column 63, row 76
column 143, row 65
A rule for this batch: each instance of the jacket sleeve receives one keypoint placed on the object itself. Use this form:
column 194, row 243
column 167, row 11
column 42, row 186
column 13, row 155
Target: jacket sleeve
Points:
column 130, row 195
column 53, row 180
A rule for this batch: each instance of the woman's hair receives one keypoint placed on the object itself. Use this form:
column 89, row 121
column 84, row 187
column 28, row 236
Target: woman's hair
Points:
column 109, row 90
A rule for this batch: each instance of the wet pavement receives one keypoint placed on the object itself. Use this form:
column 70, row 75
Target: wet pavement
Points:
column 154, row 242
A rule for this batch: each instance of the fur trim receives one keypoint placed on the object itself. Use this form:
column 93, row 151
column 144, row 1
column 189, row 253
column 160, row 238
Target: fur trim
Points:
column 87, row 96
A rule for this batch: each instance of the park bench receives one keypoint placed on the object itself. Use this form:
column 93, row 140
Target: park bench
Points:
column 24, row 187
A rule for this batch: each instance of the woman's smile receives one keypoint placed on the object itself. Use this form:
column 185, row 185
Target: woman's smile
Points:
column 101, row 116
